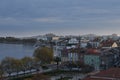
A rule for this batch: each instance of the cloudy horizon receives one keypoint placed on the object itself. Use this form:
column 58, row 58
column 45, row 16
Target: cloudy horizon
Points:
column 61, row 17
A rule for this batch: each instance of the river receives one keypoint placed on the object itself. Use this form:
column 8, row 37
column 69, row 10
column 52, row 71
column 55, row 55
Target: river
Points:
column 15, row 50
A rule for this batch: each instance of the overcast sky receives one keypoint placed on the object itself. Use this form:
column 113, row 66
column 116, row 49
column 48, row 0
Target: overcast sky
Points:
column 62, row 17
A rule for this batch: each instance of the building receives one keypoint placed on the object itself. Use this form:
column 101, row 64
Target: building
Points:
column 59, row 46
column 71, row 52
column 110, row 74
column 83, row 42
column 92, row 58
column 101, row 59
column 109, row 44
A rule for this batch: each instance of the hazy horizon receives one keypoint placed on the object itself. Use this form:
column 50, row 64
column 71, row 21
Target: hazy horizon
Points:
column 22, row 18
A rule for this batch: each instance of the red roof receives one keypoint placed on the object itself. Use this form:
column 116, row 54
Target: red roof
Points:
column 110, row 74
column 94, row 79
column 93, row 51
column 107, row 43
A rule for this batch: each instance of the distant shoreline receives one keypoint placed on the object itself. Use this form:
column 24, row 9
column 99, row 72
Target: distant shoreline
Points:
column 18, row 43
column 13, row 40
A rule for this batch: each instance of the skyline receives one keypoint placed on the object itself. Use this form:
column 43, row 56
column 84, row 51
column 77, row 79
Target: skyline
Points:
column 65, row 17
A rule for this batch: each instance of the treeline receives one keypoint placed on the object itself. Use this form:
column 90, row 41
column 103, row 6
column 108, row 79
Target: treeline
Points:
column 13, row 67
column 17, row 40
column 10, row 65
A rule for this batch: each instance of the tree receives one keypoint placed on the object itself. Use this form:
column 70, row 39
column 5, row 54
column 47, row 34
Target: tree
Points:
column 36, row 64
column 27, row 64
column 17, row 65
column 8, row 65
column 44, row 54
column 1, row 72
column 57, row 60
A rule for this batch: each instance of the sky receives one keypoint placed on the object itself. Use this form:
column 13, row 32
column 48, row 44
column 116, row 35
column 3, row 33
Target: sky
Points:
column 62, row 17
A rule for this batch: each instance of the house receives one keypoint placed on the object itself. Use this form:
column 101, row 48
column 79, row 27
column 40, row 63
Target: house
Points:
column 114, row 36
column 109, row 44
column 57, row 50
column 109, row 74
column 95, row 43
column 71, row 52
column 92, row 58
column 83, row 42
column 59, row 46
column 55, row 38
column 71, row 55
column 101, row 59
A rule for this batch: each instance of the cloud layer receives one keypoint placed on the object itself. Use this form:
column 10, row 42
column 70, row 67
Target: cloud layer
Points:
column 34, row 17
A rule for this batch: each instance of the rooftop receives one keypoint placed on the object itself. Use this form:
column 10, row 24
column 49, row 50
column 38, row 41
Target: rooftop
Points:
column 110, row 74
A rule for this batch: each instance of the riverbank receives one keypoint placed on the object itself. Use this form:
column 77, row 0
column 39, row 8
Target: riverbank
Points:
column 58, row 75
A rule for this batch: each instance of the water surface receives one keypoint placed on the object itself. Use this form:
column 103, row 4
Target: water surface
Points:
column 15, row 50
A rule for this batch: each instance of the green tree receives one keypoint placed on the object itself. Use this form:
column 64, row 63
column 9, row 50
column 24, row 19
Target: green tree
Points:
column 44, row 54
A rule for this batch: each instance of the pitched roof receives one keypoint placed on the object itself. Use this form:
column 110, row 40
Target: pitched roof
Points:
column 107, row 43
column 95, row 79
column 93, row 52
column 110, row 74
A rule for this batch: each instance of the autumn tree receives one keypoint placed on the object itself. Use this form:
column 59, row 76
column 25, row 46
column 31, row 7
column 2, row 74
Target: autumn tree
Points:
column 1, row 72
column 27, row 64
column 36, row 64
column 17, row 66
column 11, row 65
column 44, row 54
column 7, row 64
